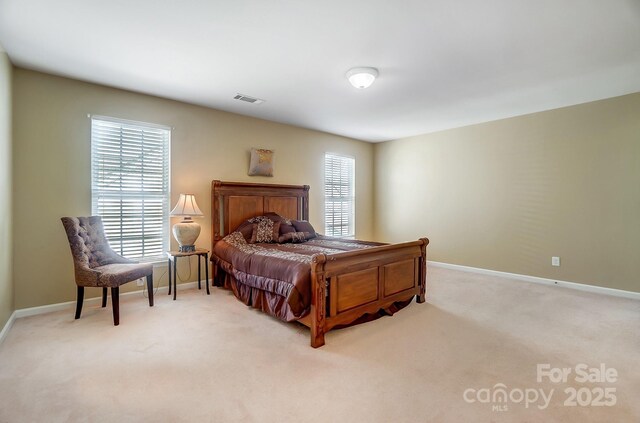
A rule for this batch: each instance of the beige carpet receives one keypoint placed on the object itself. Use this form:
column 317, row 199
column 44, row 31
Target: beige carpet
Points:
column 211, row 359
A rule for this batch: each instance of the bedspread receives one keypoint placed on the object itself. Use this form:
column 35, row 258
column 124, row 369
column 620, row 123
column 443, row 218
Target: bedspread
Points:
column 281, row 270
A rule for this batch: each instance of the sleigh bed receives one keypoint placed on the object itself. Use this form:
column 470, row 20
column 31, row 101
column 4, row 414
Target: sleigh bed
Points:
column 322, row 283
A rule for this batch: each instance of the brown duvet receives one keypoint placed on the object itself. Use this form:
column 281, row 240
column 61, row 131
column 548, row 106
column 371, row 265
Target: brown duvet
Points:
column 275, row 278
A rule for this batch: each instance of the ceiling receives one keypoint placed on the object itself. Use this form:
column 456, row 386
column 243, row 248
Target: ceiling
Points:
column 442, row 63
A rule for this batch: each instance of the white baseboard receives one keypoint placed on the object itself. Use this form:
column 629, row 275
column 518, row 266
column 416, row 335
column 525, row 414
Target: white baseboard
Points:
column 7, row 326
column 32, row 311
column 544, row 281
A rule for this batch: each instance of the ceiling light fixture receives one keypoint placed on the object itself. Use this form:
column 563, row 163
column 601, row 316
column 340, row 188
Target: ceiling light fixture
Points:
column 362, row 77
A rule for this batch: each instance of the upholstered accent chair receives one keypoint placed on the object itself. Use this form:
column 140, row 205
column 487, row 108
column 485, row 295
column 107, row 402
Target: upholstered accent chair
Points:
column 97, row 265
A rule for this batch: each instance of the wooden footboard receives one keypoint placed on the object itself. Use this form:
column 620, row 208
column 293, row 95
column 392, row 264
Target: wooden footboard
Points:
column 348, row 285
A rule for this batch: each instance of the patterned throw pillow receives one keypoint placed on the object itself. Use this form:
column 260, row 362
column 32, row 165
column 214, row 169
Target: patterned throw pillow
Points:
column 304, row 226
column 264, row 230
column 286, row 225
column 294, row 237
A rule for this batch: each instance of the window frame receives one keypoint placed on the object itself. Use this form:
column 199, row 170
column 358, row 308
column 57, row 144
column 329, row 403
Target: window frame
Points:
column 165, row 195
column 352, row 216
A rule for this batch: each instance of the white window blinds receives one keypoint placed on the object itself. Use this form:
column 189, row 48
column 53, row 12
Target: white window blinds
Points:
column 339, row 193
column 130, row 185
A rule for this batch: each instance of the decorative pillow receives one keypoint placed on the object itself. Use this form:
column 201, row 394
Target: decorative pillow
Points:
column 264, row 230
column 294, row 237
column 235, row 238
column 286, row 226
column 261, row 162
column 246, row 229
column 304, row 226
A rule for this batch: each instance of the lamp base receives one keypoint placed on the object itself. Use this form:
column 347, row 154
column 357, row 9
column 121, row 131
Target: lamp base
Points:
column 186, row 233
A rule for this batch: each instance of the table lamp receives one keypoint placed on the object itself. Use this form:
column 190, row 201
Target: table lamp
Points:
column 187, row 231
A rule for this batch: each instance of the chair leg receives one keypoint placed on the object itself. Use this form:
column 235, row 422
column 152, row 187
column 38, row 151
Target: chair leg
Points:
column 150, row 289
column 80, row 298
column 115, row 302
column 104, row 297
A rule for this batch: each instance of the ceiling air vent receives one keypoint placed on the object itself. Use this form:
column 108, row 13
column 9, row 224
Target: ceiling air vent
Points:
column 248, row 99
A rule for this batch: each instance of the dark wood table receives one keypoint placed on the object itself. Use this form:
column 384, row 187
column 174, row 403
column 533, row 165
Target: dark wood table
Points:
column 172, row 258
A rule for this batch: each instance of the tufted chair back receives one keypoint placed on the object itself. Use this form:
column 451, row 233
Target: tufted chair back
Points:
column 88, row 242
column 89, row 247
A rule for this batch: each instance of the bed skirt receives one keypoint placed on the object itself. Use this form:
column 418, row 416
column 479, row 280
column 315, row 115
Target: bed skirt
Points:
column 276, row 305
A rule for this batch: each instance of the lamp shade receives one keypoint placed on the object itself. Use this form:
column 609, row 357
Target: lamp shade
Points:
column 187, row 206
column 362, row 77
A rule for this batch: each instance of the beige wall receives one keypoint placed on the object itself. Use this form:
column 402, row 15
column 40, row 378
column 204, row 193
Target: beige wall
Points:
column 52, row 168
column 505, row 195
column 510, row 194
column 6, row 282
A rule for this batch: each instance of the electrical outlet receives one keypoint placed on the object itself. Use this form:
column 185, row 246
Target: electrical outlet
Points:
column 140, row 282
column 555, row 261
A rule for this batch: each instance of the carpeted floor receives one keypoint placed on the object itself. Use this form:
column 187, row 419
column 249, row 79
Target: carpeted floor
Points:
column 211, row 359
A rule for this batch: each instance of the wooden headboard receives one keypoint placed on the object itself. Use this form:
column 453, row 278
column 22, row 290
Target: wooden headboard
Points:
column 234, row 202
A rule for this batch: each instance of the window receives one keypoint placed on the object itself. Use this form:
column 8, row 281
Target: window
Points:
column 339, row 195
column 130, row 185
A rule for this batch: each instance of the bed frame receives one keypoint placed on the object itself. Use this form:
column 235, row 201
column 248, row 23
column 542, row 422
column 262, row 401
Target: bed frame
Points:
column 345, row 286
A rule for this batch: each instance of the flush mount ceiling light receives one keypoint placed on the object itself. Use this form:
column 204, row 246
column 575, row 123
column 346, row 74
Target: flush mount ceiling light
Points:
column 362, row 77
